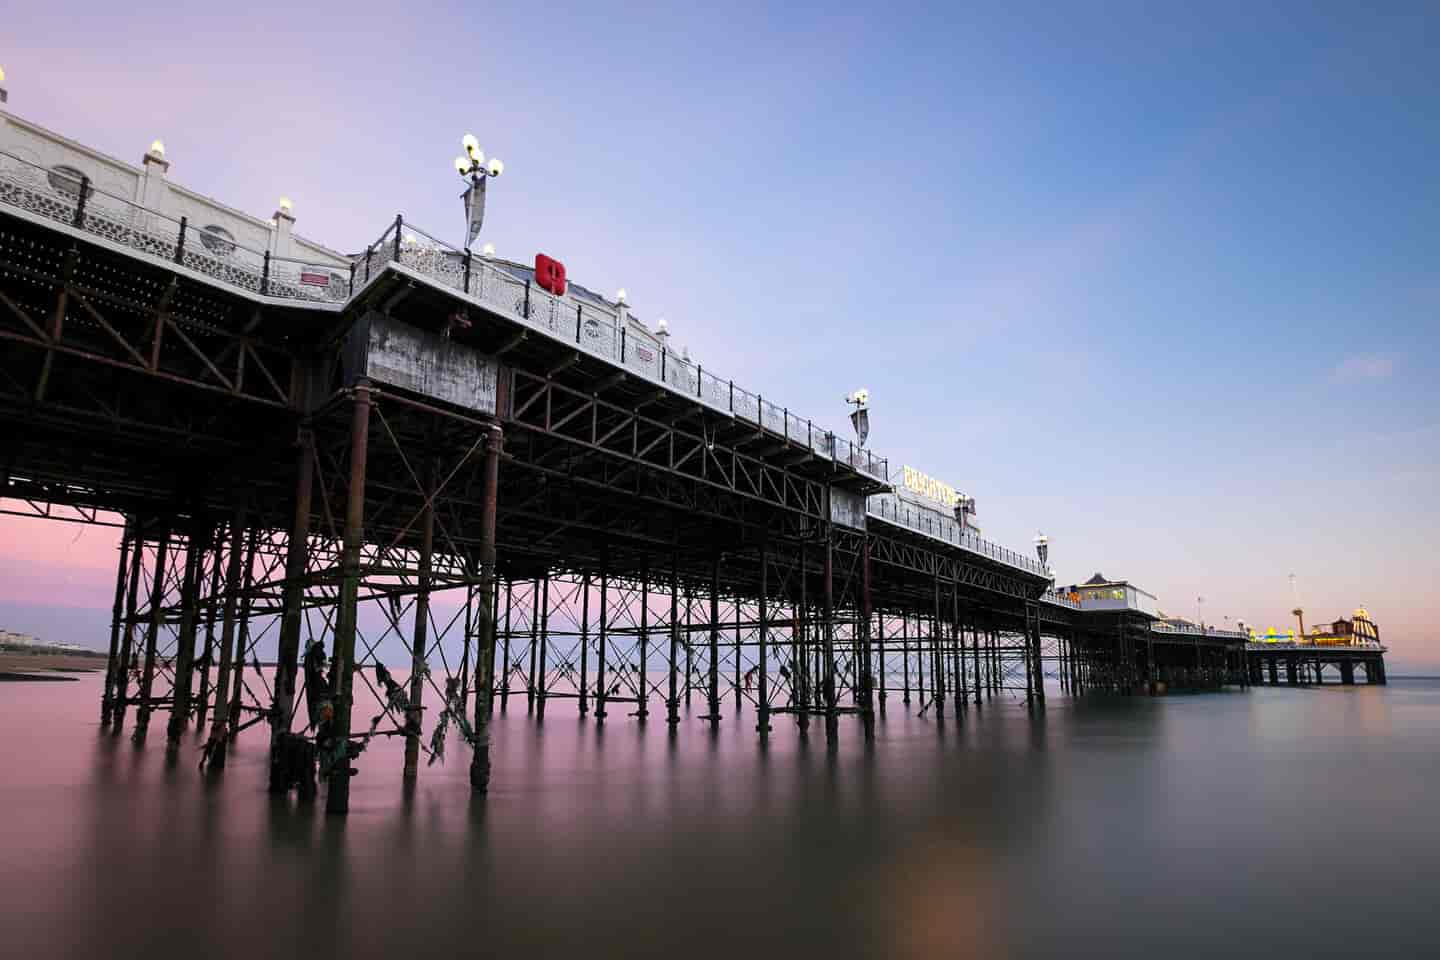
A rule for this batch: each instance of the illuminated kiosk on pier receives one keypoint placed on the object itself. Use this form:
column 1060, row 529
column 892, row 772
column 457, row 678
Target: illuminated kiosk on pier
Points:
column 1100, row 593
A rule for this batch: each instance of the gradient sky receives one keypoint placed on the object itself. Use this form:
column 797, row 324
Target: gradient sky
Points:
column 1160, row 281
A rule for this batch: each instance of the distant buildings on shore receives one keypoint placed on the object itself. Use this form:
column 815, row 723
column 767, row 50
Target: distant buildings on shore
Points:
column 9, row 638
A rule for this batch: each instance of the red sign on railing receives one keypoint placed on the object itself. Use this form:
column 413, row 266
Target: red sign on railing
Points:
column 550, row 274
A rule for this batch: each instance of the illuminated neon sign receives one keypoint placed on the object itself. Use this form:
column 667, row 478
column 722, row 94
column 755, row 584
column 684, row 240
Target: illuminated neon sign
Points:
column 930, row 488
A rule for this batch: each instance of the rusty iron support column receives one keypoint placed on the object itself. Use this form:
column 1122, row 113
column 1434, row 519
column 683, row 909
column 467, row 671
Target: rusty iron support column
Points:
column 292, row 617
column 216, row 553
column 884, row 667
column 866, row 669
column 713, row 686
column 118, row 612
column 992, row 677
column 1025, row 652
column 243, row 641
column 737, row 653
column 644, row 694
column 1063, row 662
column 800, row 662
column 127, row 639
column 1151, row 675
column 832, row 717
column 584, row 643
column 342, row 668
column 152, row 631
column 185, row 638
column 505, row 654
column 937, row 648
column 957, row 641
column 603, row 638
column 762, row 723
column 489, row 500
column 1039, row 660
column 219, row 726
column 689, row 643
column 975, row 660
column 465, row 643
column 420, row 639
column 540, row 691
column 905, row 655
column 959, row 696
column 920, row 661
column 672, row 702
column 534, row 645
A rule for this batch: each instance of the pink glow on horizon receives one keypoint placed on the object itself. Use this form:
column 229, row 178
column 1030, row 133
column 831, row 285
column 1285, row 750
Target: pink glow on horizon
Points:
column 56, row 564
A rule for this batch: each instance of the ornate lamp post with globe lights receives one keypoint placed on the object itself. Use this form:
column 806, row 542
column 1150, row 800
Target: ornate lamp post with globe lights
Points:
column 474, row 168
column 1042, row 550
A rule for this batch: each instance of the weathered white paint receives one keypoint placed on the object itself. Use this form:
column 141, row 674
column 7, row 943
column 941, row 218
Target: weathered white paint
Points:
column 430, row 365
column 847, row 509
column 119, row 185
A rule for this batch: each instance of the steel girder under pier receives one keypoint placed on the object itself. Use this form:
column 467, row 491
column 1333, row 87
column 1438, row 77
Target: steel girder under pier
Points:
column 540, row 524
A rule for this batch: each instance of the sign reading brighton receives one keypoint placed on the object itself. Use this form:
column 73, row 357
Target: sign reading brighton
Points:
column 930, row 488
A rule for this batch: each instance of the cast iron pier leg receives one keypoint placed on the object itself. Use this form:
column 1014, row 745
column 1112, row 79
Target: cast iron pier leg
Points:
column 505, row 658
column 644, row 712
column 905, row 656
column 530, row 678
column 219, row 733
column 420, row 641
column 584, row 644
column 212, row 605
column 185, row 644
column 763, row 723
column 867, row 674
column 542, row 682
column 601, row 694
column 489, row 498
column 287, row 654
column 152, row 632
column 243, row 640
column 713, row 693
column 111, row 662
column 672, row 703
column 827, row 637
column 342, row 668
column 127, row 639
column 937, row 643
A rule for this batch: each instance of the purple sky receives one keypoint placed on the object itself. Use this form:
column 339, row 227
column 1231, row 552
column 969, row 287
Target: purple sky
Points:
column 1159, row 281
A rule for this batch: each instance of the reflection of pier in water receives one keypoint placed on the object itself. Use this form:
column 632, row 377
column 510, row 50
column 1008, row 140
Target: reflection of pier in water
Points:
column 316, row 454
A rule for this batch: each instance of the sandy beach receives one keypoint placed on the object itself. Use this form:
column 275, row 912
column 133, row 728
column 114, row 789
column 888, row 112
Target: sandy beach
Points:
column 23, row 666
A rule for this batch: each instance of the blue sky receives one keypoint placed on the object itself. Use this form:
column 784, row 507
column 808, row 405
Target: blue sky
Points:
column 1158, row 279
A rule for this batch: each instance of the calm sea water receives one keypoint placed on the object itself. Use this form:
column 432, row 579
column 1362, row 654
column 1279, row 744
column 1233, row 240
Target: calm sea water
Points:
column 1271, row 823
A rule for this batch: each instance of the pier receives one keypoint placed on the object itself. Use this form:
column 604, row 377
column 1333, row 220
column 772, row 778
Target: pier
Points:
column 309, row 453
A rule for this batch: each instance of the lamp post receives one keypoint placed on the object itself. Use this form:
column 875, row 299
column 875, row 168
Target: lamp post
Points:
column 1042, row 550
column 474, row 168
column 860, row 416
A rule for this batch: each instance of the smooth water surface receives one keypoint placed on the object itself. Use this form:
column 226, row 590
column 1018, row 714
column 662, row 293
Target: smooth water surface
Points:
column 1273, row 822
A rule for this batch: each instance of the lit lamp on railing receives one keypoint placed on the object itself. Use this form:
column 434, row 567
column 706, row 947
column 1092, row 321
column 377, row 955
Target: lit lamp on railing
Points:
column 1042, row 550
column 3, row 95
column 860, row 416
column 964, row 507
column 475, row 169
